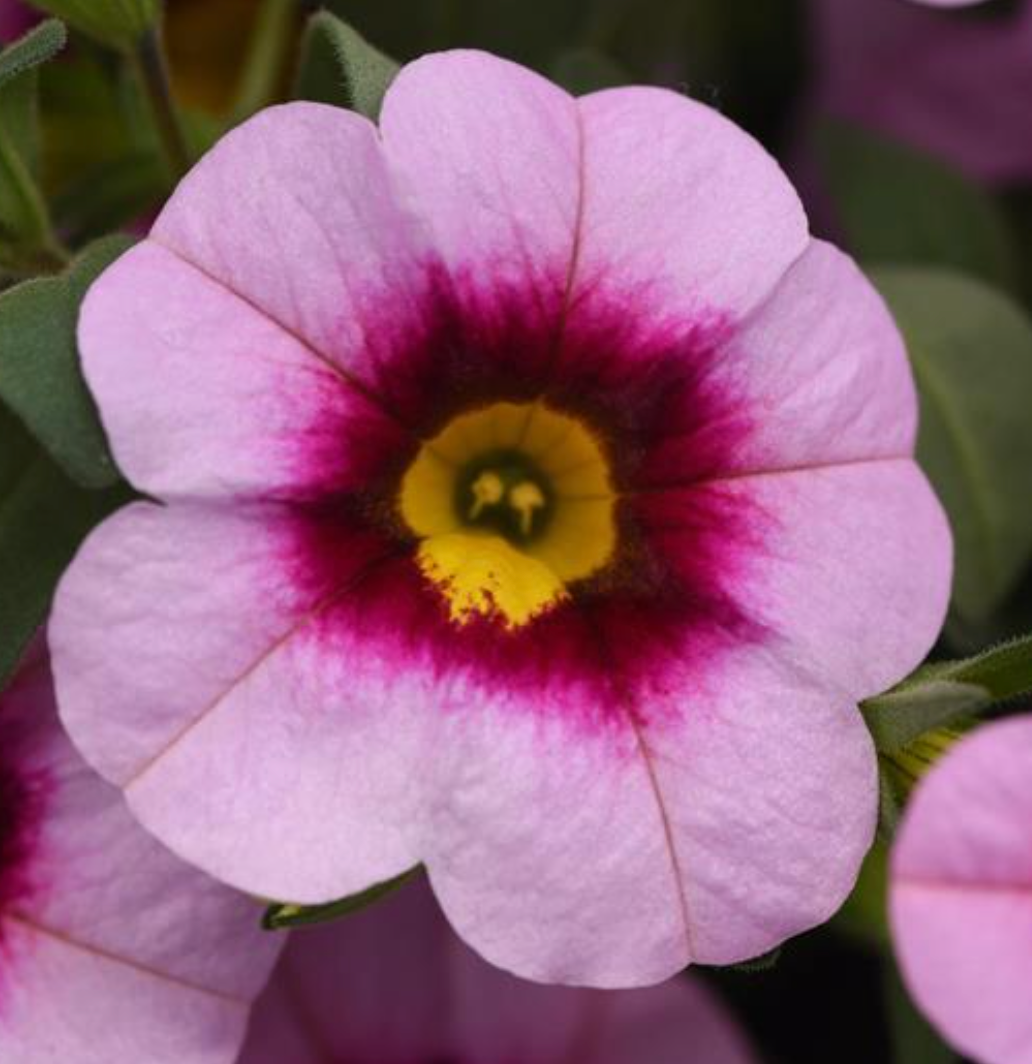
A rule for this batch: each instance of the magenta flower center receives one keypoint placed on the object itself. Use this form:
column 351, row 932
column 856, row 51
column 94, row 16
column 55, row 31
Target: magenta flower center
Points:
column 655, row 569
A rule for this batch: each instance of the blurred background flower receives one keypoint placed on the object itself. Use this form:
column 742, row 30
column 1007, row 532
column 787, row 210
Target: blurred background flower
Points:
column 962, row 894
column 956, row 84
column 394, row 983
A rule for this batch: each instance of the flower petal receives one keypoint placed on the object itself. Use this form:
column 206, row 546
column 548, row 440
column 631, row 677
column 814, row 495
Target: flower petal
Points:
column 235, row 662
column 683, row 203
column 819, row 373
column 549, row 839
column 119, row 952
column 961, row 894
column 489, row 155
column 295, row 212
column 837, row 547
column 203, row 395
column 542, row 842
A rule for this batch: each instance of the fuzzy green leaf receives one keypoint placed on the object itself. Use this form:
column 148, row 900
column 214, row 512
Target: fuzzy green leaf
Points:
column 971, row 350
column 897, row 718
column 40, row 376
column 38, row 46
column 117, row 23
column 340, row 67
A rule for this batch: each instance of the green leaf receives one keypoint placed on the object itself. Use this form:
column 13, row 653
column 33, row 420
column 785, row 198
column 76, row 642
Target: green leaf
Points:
column 117, row 23
column 1004, row 671
column 583, row 70
column 38, row 46
column 897, row 205
column 899, row 717
column 40, row 376
column 280, row 916
column 910, row 723
column 43, row 519
column 340, row 67
column 971, row 350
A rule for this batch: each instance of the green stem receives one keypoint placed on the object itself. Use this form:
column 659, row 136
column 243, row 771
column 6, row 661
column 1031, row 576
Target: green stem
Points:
column 266, row 58
column 41, row 251
column 151, row 70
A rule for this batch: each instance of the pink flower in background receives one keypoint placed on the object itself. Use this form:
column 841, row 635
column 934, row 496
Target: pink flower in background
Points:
column 537, row 500
column 15, row 19
column 111, row 950
column 956, row 87
column 393, row 984
column 961, row 895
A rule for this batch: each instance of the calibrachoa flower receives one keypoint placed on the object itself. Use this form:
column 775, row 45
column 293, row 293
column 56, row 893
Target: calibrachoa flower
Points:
column 536, row 501
column 961, row 894
column 392, row 984
column 956, row 87
column 112, row 951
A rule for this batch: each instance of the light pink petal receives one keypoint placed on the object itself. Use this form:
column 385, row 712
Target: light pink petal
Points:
column 546, row 843
column 543, row 841
column 836, row 547
column 234, row 731
column 118, row 952
column 822, row 371
column 961, row 894
column 296, row 213
column 392, row 984
column 489, row 156
column 202, row 394
column 743, row 866
column 681, row 208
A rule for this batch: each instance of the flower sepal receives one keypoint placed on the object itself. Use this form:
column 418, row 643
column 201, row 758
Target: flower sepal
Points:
column 281, row 916
column 339, row 66
column 944, row 693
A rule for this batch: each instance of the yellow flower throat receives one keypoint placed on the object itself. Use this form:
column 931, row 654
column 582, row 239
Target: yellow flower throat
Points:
column 512, row 503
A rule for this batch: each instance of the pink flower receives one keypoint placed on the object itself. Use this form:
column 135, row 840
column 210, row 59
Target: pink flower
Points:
column 537, row 501
column 111, row 950
column 392, row 984
column 956, row 87
column 15, row 19
column 961, row 894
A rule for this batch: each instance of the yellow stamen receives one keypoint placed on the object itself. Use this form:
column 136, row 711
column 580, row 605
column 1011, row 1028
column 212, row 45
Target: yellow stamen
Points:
column 487, row 490
column 525, row 498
